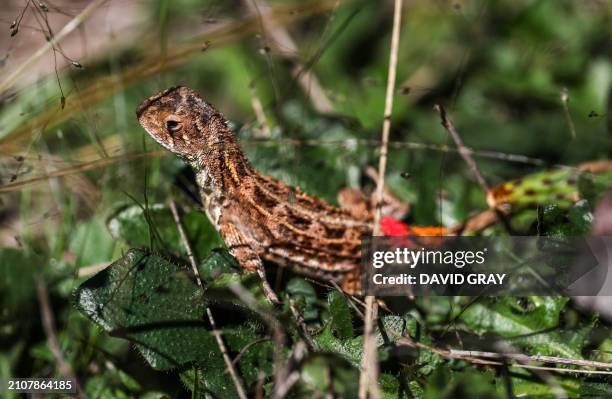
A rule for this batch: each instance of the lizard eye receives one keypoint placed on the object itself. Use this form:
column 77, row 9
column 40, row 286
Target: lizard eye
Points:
column 173, row 126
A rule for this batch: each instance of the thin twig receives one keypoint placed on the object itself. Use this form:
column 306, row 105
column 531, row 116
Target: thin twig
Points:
column 48, row 322
column 447, row 123
column 286, row 385
column 92, row 269
column 228, row 362
column 104, row 86
column 185, row 241
column 216, row 332
column 539, row 371
column 259, row 391
column 533, row 358
column 245, row 296
column 98, row 163
column 368, row 379
column 302, row 325
column 475, row 223
column 475, row 357
column 50, row 44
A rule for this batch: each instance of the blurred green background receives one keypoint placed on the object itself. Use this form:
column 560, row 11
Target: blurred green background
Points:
column 528, row 84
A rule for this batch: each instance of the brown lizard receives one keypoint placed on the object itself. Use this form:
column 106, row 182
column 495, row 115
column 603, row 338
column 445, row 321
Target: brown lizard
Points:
column 259, row 217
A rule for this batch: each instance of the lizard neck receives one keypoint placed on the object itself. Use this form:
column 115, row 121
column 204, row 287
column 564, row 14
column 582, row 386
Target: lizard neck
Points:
column 221, row 166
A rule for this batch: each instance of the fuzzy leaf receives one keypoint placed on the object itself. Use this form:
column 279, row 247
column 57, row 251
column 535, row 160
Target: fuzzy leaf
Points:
column 536, row 327
column 341, row 318
column 157, row 305
column 152, row 302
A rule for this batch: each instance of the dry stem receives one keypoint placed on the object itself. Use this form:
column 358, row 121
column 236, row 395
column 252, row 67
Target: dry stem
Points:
column 476, row 357
column 48, row 322
column 368, row 379
column 216, row 332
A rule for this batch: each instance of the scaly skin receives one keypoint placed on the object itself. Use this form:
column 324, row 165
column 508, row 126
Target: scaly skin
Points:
column 259, row 217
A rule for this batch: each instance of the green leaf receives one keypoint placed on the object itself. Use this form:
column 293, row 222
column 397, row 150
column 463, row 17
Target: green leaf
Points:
column 91, row 243
column 156, row 305
column 580, row 218
column 218, row 263
column 114, row 383
column 341, row 319
column 209, row 379
column 394, row 326
column 303, row 293
column 17, row 271
column 536, row 327
column 154, row 395
column 446, row 384
column 282, row 161
column 17, row 288
column 152, row 302
column 322, row 372
column 524, row 385
column 351, row 350
column 595, row 390
column 157, row 226
column 141, row 228
column 575, row 221
column 593, row 186
column 389, row 386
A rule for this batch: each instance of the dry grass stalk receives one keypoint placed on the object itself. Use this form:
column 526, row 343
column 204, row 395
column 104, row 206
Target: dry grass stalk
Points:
column 50, row 44
column 216, row 332
column 48, row 322
column 368, row 380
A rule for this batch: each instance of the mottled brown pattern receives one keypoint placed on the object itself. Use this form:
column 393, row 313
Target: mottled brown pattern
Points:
column 259, row 217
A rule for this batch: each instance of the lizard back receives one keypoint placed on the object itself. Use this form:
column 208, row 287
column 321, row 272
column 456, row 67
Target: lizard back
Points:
column 261, row 216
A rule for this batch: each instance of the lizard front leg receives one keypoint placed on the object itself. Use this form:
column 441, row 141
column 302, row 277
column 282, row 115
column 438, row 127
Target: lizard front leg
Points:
column 246, row 257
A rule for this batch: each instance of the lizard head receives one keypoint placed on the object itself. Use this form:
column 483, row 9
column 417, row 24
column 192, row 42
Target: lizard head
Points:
column 180, row 120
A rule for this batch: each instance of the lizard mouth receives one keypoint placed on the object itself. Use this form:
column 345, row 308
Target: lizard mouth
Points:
column 149, row 101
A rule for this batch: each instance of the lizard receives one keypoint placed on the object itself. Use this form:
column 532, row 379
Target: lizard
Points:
column 259, row 217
